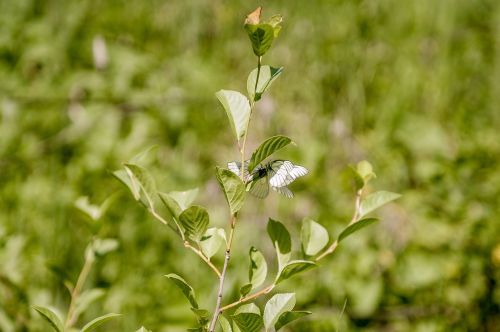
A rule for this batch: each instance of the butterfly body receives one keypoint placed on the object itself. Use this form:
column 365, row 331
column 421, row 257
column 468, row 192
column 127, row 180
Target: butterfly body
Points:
column 277, row 174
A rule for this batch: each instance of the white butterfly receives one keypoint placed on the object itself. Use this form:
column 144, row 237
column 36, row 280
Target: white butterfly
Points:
column 278, row 174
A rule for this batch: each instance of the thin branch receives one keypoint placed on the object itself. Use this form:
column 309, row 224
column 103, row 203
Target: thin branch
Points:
column 249, row 297
column 222, row 277
column 203, row 257
column 87, row 266
column 233, row 219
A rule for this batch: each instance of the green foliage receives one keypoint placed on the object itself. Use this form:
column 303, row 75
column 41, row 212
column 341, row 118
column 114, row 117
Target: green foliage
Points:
column 247, row 317
column 233, row 188
column 237, row 109
column 266, row 149
column 267, row 75
column 356, row 227
column 258, row 268
column 314, row 237
column 281, row 240
column 292, row 268
column 50, row 317
column 276, row 306
column 98, row 321
column 186, row 289
column 195, row 221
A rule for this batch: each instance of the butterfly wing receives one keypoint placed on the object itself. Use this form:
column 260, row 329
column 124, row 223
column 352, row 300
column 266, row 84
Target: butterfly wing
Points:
column 235, row 167
column 285, row 191
column 260, row 187
column 279, row 173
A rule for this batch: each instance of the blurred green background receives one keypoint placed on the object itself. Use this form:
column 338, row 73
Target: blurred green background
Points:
column 412, row 86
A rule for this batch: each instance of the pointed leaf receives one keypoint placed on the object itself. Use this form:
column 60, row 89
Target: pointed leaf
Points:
column 186, row 289
column 202, row 315
column 276, row 306
column 98, row 321
column 245, row 289
column 356, row 227
column 143, row 183
column 50, row 317
column 224, row 323
column 124, row 178
column 267, row 76
column 359, row 182
column 142, row 156
column 281, row 241
column 375, row 200
column 184, row 198
column 294, row 267
column 237, row 109
column 314, row 237
column 288, row 317
column 195, row 221
column 233, row 188
column 258, row 268
column 248, row 318
column 267, row 148
column 212, row 240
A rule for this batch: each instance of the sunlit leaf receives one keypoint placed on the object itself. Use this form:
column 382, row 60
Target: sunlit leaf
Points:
column 267, row 76
column 98, row 321
column 288, row 317
column 281, row 240
column 195, row 221
column 50, row 317
column 184, row 198
column 276, row 306
column 245, row 289
column 202, row 315
column 314, row 237
column 143, row 184
column 233, row 188
column 267, row 148
column 186, row 289
column 356, row 227
column 237, row 109
column 247, row 317
column 212, row 240
column 258, row 268
column 293, row 268
column 375, row 200
column 224, row 323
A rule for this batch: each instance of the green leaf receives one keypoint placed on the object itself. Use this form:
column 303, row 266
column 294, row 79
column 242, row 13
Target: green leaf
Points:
column 86, row 298
column 171, row 204
column 98, row 321
column 245, row 289
column 356, row 227
column 202, row 315
column 143, row 329
column 359, row 182
column 50, row 317
column 281, row 241
column 248, row 318
column 142, row 183
column 142, row 156
column 90, row 210
column 314, row 237
column 224, row 323
column 237, row 108
column 124, row 178
column 276, row 306
column 195, row 221
column 267, row 76
column 288, row 317
column 233, row 188
column 184, row 198
column 365, row 170
column 212, row 240
column 294, row 267
column 258, row 268
column 267, row 148
column 186, row 289
column 375, row 200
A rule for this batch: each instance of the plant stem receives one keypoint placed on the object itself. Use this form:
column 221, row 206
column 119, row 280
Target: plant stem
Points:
column 249, row 297
column 233, row 219
column 355, row 218
column 75, row 293
column 203, row 257
column 223, row 275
